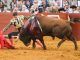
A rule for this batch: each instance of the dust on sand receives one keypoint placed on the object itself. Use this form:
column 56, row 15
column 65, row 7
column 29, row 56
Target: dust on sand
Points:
column 65, row 52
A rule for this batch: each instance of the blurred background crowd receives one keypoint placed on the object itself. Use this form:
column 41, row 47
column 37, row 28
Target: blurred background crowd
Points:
column 70, row 6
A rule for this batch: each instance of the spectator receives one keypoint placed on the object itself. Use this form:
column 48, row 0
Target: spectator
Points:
column 78, row 8
column 53, row 7
column 61, row 10
column 73, row 9
column 13, row 5
column 24, row 9
column 5, row 3
column 34, row 7
column 19, row 5
column 47, row 3
column 67, row 7
column 16, row 9
column 31, row 2
column 40, row 8
column 27, row 4
column 6, row 10
column 1, row 6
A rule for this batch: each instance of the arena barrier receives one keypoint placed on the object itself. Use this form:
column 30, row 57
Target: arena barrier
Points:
column 6, row 17
column 76, row 26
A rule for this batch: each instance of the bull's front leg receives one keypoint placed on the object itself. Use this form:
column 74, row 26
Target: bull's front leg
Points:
column 33, row 45
column 42, row 41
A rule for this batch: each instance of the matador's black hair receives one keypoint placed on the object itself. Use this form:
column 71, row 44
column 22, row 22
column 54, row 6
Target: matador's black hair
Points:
column 15, row 14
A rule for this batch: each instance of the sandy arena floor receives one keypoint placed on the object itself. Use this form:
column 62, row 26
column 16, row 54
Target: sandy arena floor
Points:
column 65, row 52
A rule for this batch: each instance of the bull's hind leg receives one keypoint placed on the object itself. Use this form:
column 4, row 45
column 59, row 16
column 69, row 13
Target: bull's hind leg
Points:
column 72, row 38
column 59, row 44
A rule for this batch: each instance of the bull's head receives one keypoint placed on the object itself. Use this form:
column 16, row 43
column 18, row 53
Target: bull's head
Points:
column 25, row 39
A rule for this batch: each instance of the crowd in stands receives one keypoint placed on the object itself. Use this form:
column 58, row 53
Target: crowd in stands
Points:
column 43, row 6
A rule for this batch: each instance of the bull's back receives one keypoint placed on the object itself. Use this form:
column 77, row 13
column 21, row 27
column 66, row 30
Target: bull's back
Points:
column 51, row 21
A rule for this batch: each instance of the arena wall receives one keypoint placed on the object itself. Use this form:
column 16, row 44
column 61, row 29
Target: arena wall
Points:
column 6, row 17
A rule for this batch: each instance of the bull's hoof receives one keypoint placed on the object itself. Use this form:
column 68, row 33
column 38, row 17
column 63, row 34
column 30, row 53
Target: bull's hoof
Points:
column 12, row 47
column 76, row 48
column 45, row 48
column 33, row 47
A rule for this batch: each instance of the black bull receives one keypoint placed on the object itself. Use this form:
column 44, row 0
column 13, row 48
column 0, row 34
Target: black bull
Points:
column 50, row 27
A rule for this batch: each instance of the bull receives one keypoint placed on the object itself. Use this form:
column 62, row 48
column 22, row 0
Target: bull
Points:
column 49, row 26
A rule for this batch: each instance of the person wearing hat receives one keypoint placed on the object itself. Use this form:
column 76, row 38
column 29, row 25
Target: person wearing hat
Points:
column 73, row 9
column 61, row 10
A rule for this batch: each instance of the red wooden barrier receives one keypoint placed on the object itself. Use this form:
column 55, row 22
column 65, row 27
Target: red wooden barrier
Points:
column 76, row 26
column 5, row 18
